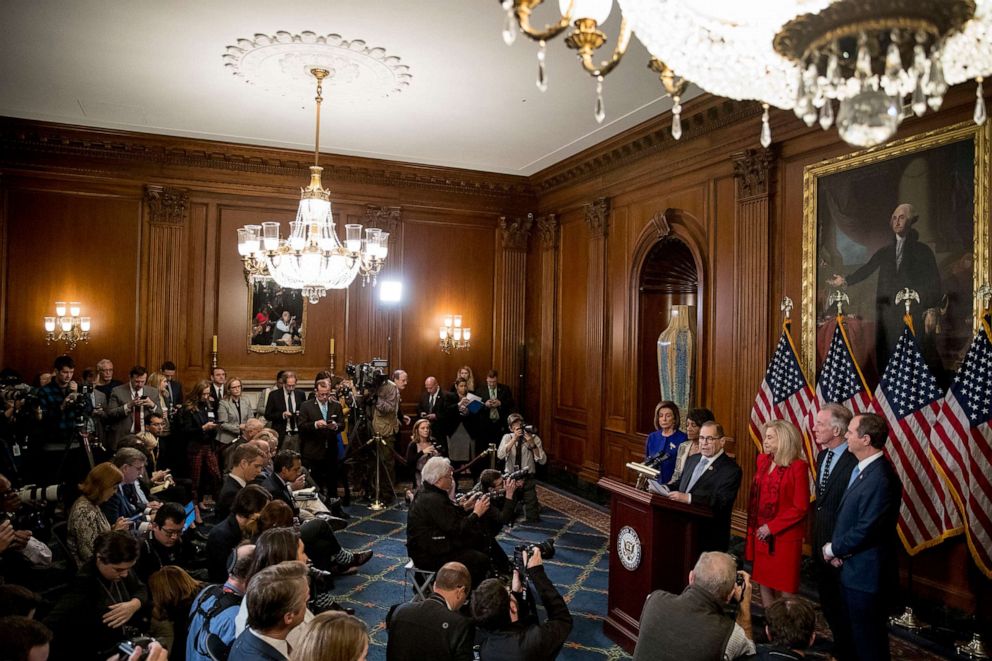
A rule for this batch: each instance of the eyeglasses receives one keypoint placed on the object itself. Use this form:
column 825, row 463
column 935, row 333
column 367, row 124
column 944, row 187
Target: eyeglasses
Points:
column 709, row 439
column 171, row 534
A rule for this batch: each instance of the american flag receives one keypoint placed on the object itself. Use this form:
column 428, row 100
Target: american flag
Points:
column 909, row 400
column 962, row 443
column 840, row 379
column 784, row 394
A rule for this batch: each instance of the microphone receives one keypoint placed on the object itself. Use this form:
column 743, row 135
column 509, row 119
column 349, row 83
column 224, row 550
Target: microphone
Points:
column 656, row 460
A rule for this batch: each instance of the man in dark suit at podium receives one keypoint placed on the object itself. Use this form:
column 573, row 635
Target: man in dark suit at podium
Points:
column 710, row 479
column 833, row 471
column 864, row 542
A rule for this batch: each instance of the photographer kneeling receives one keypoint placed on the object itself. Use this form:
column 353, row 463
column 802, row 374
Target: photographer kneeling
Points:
column 506, row 622
column 522, row 450
column 504, row 496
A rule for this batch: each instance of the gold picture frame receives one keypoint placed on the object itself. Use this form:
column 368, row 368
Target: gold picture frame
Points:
column 275, row 333
column 871, row 169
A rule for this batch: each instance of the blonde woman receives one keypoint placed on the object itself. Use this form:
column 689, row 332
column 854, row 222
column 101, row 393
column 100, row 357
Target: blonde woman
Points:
column 776, row 512
column 86, row 520
column 334, row 636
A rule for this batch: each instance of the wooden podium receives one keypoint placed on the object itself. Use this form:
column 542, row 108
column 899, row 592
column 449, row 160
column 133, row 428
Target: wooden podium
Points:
column 653, row 545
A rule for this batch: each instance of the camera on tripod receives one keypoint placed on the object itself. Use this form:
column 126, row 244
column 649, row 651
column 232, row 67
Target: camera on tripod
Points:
column 367, row 377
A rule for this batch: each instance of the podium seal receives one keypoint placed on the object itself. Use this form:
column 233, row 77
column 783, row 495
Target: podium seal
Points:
column 629, row 548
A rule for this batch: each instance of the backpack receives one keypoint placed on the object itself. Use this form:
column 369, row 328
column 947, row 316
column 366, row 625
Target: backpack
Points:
column 224, row 600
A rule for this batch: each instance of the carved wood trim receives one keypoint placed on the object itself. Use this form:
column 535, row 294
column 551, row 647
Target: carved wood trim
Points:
column 702, row 115
column 547, row 230
column 168, row 206
column 598, row 217
column 385, row 218
column 752, row 170
column 22, row 141
column 514, row 233
column 660, row 223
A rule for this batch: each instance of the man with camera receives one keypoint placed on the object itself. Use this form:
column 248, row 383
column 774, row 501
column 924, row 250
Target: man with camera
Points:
column 63, row 407
column 439, row 531
column 128, row 404
column 523, row 451
column 507, row 626
column 504, row 497
column 695, row 624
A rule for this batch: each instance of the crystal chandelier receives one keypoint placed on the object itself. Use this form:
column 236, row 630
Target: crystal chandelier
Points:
column 860, row 65
column 312, row 258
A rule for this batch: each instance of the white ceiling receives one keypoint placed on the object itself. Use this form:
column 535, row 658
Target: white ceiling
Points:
column 156, row 67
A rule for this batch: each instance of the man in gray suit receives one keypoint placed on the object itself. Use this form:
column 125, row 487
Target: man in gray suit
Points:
column 128, row 404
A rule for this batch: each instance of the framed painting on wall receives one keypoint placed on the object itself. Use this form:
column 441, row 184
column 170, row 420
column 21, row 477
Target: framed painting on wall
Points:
column 276, row 317
column 912, row 213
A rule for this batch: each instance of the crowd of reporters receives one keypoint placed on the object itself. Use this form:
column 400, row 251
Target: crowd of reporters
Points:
column 166, row 537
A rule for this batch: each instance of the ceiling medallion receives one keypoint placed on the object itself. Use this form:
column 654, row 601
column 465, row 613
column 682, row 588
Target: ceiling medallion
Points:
column 282, row 63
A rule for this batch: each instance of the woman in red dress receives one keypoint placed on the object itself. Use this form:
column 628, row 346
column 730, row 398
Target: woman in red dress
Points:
column 777, row 511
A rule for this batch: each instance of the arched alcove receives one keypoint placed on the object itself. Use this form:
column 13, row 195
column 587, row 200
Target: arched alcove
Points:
column 668, row 277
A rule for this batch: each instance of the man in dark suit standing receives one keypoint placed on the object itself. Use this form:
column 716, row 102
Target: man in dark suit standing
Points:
column 319, row 421
column 276, row 603
column 434, row 628
column 282, row 409
column 863, row 545
column 711, row 479
column 218, row 386
column 833, row 471
column 173, row 397
column 498, row 400
column 432, row 406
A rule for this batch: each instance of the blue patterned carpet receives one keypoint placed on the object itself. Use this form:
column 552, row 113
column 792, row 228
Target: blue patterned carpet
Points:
column 578, row 570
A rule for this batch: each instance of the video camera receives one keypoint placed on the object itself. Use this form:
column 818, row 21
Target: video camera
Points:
column 126, row 648
column 367, row 377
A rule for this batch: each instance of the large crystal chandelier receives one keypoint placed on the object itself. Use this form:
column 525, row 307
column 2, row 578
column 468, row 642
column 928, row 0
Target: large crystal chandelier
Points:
column 312, row 258
column 860, row 65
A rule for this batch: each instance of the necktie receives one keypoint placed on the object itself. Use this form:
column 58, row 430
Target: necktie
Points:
column 697, row 473
column 289, row 407
column 899, row 245
column 520, row 454
column 135, row 416
column 323, row 410
column 854, row 476
column 825, row 475
column 237, row 405
column 494, row 412
column 432, row 402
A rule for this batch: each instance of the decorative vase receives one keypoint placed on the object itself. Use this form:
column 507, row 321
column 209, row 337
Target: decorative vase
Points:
column 675, row 353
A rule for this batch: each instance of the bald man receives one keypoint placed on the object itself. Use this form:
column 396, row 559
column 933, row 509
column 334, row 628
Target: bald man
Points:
column 905, row 262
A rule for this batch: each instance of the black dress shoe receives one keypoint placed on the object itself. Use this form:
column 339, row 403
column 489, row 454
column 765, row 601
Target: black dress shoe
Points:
column 359, row 558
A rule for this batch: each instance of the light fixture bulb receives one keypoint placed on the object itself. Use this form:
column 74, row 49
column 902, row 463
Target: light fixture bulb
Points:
column 50, row 324
column 74, row 309
column 59, row 308
column 84, row 324
column 597, row 10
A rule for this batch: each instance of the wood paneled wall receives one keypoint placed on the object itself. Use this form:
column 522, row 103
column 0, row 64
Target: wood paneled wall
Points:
column 140, row 229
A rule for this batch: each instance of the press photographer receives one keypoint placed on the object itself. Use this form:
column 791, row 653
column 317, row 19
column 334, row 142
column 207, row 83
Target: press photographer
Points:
column 507, row 625
column 163, row 544
column 504, row 497
column 63, row 413
column 523, row 451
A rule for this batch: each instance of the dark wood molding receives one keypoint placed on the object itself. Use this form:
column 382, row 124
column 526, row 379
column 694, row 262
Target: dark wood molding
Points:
column 598, row 216
column 547, row 230
column 22, row 141
column 751, row 169
column 515, row 232
column 168, row 206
